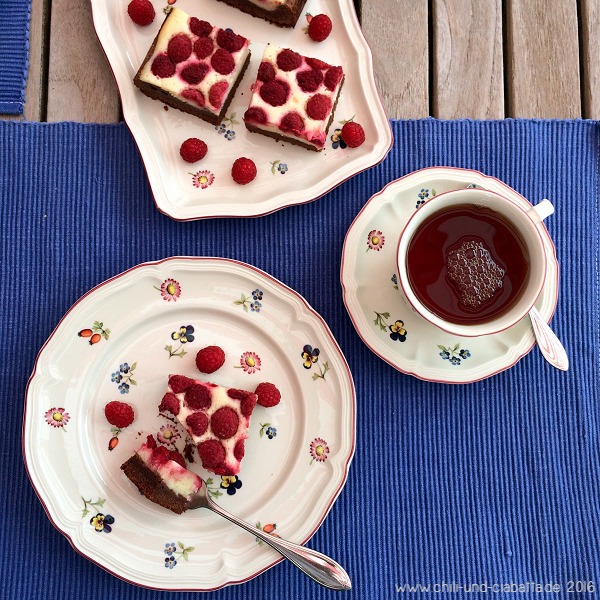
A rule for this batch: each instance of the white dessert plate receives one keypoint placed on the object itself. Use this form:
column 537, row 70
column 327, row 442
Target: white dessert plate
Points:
column 383, row 317
column 297, row 453
column 287, row 174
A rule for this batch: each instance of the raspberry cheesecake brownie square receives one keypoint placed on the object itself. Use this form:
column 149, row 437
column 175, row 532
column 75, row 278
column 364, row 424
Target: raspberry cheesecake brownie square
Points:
column 294, row 98
column 194, row 66
column 216, row 419
column 284, row 13
column 161, row 476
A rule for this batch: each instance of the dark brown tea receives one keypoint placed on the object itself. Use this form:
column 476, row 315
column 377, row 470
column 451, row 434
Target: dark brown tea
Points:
column 467, row 264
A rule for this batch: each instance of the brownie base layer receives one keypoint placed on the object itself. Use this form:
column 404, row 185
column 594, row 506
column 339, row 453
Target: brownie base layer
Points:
column 157, row 93
column 281, row 137
column 283, row 16
column 152, row 486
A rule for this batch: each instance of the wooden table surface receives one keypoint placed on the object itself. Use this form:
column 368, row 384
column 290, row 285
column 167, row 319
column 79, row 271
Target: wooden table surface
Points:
column 480, row 59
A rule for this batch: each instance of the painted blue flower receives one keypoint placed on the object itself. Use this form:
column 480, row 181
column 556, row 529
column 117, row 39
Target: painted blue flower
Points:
column 445, row 354
column 271, row 432
column 423, row 194
column 337, row 141
column 102, row 523
column 464, row 353
column 124, row 388
column 170, row 548
column 257, row 294
column 398, row 332
column 395, row 279
column 170, row 562
column 255, row 306
column 282, row 168
column 221, row 129
column 229, row 134
column 116, row 377
column 231, row 483
column 310, row 356
column 124, row 368
column 455, row 361
column 184, row 335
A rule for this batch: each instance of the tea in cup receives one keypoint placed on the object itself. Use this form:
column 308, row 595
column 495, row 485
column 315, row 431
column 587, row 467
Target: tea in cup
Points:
column 472, row 261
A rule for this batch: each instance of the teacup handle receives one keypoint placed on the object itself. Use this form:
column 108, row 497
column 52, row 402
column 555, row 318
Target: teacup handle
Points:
column 541, row 210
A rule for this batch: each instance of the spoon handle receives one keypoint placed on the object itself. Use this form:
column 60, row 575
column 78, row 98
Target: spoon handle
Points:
column 317, row 566
column 548, row 343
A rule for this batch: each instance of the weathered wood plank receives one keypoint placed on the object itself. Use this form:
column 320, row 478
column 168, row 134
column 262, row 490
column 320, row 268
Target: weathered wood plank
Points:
column 35, row 91
column 397, row 31
column 590, row 52
column 467, row 69
column 542, row 62
column 34, row 108
column 81, row 86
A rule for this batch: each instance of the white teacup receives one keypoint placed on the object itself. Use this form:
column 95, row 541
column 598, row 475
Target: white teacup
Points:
column 526, row 223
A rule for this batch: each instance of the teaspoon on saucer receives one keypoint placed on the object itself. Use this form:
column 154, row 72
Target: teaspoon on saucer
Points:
column 549, row 345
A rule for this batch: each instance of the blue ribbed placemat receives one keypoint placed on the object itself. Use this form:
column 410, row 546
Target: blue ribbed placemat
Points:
column 494, row 482
column 14, row 54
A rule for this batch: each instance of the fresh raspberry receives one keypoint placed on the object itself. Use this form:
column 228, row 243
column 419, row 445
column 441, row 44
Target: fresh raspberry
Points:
column 248, row 404
column 177, row 457
column 194, row 73
column 230, row 41
column 224, row 422
column 318, row 107
column 217, row 93
column 353, row 134
column 141, row 12
column 319, row 28
column 212, row 453
column 119, row 414
column 236, row 394
column 243, row 170
column 197, row 423
column 203, row 47
column 160, row 454
column 179, row 48
column 197, row 397
column 275, row 92
column 266, row 71
column 268, row 394
column 288, row 60
column 292, row 122
column 309, row 80
column 222, row 61
column 256, row 115
column 315, row 63
column 209, row 359
column 162, row 66
column 169, row 403
column 194, row 95
column 179, row 383
column 200, row 28
column 239, row 450
column 333, row 77
column 193, row 150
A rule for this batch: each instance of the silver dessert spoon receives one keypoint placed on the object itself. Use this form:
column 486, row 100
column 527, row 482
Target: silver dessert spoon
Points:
column 317, row 566
column 549, row 345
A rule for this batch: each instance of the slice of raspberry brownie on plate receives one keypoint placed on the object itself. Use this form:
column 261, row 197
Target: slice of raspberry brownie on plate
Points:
column 161, row 476
column 284, row 13
column 294, row 98
column 194, row 66
column 216, row 419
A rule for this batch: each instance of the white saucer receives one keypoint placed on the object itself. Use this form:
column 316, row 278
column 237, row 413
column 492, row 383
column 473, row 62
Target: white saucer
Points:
column 383, row 317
